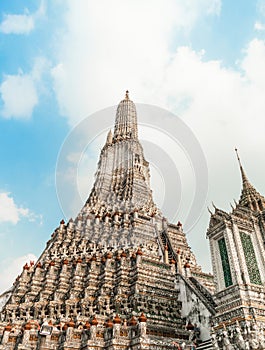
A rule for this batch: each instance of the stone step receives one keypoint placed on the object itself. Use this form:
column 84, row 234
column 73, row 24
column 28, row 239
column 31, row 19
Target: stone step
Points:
column 207, row 344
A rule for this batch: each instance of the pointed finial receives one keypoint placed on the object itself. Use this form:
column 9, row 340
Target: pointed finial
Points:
column 210, row 211
column 250, row 197
column 239, row 161
column 214, row 205
column 127, row 95
column 243, row 175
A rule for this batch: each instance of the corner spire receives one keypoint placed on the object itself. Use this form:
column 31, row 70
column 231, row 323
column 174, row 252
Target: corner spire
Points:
column 245, row 180
column 250, row 197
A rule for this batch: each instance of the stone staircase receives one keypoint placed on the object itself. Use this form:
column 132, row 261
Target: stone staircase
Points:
column 206, row 345
column 204, row 295
column 203, row 291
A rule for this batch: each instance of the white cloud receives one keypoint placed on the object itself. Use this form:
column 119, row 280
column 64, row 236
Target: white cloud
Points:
column 253, row 64
column 19, row 93
column 11, row 212
column 17, row 24
column 127, row 48
column 10, row 269
column 22, row 23
column 259, row 26
column 99, row 59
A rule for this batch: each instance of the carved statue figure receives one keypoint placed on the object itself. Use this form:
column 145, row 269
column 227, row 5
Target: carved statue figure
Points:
column 226, row 341
column 239, row 340
column 214, row 341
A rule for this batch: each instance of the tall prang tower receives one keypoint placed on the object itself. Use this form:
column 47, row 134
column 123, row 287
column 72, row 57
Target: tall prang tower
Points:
column 119, row 276
column 238, row 260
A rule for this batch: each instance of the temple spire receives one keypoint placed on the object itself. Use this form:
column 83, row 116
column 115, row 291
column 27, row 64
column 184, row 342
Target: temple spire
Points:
column 250, row 197
column 123, row 178
column 126, row 120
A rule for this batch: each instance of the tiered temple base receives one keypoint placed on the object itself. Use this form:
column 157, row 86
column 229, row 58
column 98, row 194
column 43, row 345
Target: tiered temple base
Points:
column 108, row 299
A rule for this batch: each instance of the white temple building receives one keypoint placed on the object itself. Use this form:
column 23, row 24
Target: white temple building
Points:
column 121, row 276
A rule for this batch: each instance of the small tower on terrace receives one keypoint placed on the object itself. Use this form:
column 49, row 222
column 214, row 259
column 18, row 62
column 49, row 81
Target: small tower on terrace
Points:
column 238, row 260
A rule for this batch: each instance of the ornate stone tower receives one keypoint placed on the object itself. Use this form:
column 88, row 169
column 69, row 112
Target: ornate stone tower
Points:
column 119, row 276
column 238, row 259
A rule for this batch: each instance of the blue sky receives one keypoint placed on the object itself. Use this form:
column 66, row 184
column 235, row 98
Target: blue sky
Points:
column 61, row 61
